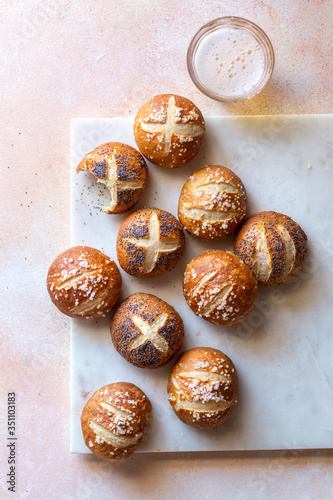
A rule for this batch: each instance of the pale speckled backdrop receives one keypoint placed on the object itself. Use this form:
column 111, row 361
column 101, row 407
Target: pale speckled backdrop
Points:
column 63, row 59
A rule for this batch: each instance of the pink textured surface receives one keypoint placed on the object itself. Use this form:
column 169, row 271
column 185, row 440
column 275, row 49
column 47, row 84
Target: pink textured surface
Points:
column 64, row 59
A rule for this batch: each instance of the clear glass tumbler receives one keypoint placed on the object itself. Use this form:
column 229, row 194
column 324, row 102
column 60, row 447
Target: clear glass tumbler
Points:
column 230, row 59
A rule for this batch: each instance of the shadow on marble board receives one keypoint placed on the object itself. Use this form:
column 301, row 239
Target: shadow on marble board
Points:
column 267, row 102
column 139, row 463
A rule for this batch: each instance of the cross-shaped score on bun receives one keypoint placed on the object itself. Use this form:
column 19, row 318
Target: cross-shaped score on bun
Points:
column 169, row 130
column 149, row 332
column 146, row 330
column 171, row 126
column 153, row 244
column 114, row 184
column 150, row 241
column 122, row 169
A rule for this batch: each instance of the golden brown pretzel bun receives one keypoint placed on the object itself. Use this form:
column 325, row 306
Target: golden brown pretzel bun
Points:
column 146, row 331
column 114, row 420
column 219, row 287
column 122, row 169
column 212, row 202
column 84, row 283
column 273, row 246
column 169, row 130
column 150, row 242
column 203, row 387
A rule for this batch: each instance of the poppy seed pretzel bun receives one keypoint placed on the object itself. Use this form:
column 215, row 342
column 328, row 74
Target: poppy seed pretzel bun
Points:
column 122, row 169
column 84, row 283
column 203, row 387
column 169, row 130
column 146, row 331
column 273, row 246
column 114, row 420
column 212, row 202
column 219, row 287
column 150, row 242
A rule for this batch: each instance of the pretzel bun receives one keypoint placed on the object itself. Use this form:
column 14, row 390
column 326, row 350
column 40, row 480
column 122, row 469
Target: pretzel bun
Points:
column 212, row 202
column 122, row 169
column 150, row 242
column 146, row 331
column 203, row 387
column 84, row 283
column 114, row 420
column 169, row 130
column 219, row 287
column 273, row 246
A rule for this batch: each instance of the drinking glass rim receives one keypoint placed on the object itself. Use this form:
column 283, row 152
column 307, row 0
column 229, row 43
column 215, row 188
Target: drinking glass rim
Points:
column 237, row 22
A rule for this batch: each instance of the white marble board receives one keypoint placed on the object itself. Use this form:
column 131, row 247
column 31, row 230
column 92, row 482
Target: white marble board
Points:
column 284, row 351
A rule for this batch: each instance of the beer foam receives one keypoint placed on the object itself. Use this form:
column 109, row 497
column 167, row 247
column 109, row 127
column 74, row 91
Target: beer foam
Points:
column 229, row 61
